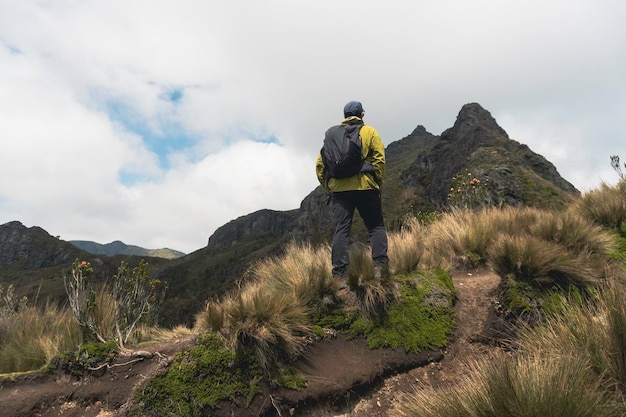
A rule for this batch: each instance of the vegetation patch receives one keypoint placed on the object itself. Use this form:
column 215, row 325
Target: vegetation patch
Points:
column 86, row 358
column 423, row 318
column 198, row 379
column 522, row 300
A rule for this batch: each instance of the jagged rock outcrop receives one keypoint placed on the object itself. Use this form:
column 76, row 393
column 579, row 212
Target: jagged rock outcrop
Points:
column 258, row 223
column 32, row 248
column 477, row 144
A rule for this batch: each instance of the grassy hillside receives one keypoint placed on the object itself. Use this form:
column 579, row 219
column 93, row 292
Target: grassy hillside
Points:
column 562, row 293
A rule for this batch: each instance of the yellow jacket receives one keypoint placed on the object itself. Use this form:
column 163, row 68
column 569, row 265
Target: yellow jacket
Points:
column 373, row 154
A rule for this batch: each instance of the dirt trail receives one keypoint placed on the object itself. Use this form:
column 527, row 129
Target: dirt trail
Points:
column 475, row 305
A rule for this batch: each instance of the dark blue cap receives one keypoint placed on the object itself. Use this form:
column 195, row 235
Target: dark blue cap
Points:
column 353, row 108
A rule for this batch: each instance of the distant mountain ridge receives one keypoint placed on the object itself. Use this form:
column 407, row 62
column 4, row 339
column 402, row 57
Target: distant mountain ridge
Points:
column 120, row 248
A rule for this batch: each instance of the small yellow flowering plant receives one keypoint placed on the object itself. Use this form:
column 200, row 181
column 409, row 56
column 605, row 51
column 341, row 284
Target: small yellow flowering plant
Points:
column 468, row 192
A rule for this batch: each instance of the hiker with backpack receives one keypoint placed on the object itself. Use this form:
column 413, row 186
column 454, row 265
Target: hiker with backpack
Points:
column 351, row 165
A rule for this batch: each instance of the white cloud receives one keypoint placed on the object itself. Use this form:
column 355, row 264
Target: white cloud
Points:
column 551, row 73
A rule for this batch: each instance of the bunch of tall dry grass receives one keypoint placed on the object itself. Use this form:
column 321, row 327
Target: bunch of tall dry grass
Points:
column 374, row 294
column 268, row 314
column 33, row 336
column 547, row 385
column 408, row 247
column 535, row 245
column 555, row 248
column 605, row 206
column 464, row 237
column 594, row 331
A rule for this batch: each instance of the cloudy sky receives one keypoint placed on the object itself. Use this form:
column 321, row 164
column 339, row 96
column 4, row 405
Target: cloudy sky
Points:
column 156, row 121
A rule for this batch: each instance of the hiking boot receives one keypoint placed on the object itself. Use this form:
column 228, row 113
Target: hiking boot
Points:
column 382, row 272
column 342, row 280
column 348, row 298
column 378, row 272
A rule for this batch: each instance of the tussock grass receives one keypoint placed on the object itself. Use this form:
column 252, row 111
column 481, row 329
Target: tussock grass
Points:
column 464, row 237
column 541, row 262
column 573, row 232
column 407, row 249
column 269, row 314
column 303, row 272
column 459, row 234
column 270, row 324
column 374, row 294
column 548, row 385
column 33, row 336
column 605, row 205
column 538, row 246
column 594, row 330
column 151, row 334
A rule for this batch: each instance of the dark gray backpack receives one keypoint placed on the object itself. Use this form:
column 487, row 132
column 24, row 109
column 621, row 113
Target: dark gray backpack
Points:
column 341, row 152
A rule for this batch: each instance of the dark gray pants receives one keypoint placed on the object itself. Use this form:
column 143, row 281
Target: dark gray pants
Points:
column 368, row 203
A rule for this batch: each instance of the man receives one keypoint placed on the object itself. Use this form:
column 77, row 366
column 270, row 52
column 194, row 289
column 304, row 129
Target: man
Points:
column 360, row 191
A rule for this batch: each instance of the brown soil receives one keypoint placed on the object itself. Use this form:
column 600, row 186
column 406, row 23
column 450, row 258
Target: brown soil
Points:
column 345, row 378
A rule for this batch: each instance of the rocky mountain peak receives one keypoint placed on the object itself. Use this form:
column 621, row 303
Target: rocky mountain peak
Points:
column 474, row 123
column 420, row 131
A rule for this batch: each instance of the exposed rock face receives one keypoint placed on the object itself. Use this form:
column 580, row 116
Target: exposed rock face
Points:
column 32, row 248
column 258, row 223
column 477, row 144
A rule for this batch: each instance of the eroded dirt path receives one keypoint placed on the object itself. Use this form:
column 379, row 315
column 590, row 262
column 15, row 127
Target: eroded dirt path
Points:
column 476, row 296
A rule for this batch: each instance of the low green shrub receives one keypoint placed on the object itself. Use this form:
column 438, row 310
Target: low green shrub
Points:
column 86, row 358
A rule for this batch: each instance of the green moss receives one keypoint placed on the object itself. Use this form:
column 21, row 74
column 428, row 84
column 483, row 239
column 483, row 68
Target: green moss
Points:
column 422, row 319
column 288, row 377
column 523, row 300
column 198, row 379
column 335, row 318
column 619, row 253
column 317, row 330
column 517, row 296
column 360, row 327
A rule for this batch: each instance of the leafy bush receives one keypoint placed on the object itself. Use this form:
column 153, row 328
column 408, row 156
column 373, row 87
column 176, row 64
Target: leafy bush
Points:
column 469, row 192
column 114, row 313
column 86, row 358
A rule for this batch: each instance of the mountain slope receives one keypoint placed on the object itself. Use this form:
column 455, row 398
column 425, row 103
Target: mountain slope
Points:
column 34, row 262
column 418, row 178
column 419, row 173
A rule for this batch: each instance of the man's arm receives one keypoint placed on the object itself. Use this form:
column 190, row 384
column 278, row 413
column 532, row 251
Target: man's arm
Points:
column 319, row 169
column 378, row 158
